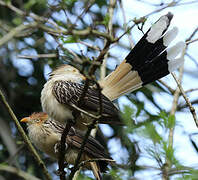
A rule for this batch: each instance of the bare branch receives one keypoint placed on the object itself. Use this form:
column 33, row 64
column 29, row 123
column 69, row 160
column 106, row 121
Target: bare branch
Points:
column 125, row 27
column 192, row 35
column 90, row 46
column 192, row 41
column 75, row 168
column 8, row 141
column 62, row 147
column 25, row 138
column 167, row 86
column 18, row 172
column 192, row 109
column 94, row 160
column 38, row 56
column 15, row 31
column 191, row 90
column 167, row 165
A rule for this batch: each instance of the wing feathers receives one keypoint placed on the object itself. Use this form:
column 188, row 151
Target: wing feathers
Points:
column 93, row 149
column 67, row 93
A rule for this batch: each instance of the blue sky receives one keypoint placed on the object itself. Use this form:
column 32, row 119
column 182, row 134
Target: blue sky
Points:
column 185, row 18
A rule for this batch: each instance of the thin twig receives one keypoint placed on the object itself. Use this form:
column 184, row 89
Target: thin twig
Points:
column 167, row 86
column 18, row 172
column 185, row 105
column 62, row 147
column 90, row 45
column 55, row 29
column 90, row 127
column 89, row 3
column 191, row 41
column 77, row 58
column 75, row 32
column 109, row 30
column 13, row 156
column 191, row 90
column 94, row 160
column 192, row 58
column 24, row 14
column 84, row 112
column 15, row 31
column 192, row 109
column 125, row 22
column 95, row 120
column 25, row 138
column 192, row 35
column 171, row 4
column 75, row 168
column 38, row 56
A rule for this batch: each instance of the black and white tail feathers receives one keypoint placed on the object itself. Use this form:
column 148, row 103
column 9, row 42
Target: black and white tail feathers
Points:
column 148, row 61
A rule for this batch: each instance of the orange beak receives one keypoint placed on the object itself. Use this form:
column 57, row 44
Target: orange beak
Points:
column 25, row 120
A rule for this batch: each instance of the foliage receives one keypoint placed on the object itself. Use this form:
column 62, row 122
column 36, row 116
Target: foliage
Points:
column 73, row 30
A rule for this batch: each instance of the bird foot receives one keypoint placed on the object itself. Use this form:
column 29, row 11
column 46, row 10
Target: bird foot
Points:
column 59, row 172
column 57, row 147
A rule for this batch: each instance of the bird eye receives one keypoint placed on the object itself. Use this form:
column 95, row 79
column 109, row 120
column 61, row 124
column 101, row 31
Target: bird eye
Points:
column 37, row 120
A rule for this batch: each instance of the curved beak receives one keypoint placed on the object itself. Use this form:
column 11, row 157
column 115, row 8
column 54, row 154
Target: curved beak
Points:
column 25, row 120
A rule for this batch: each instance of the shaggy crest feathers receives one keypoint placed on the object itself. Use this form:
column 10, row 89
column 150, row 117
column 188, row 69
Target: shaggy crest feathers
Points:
column 42, row 116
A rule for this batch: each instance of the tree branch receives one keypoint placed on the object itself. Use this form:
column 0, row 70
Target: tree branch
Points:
column 15, row 31
column 192, row 109
column 18, row 172
column 25, row 138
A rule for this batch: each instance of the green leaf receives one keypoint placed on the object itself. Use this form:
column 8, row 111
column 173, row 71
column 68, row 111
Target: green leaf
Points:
column 106, row 19
column 38, row 4
column 101, row 3
column 17, row 21
column 169, row 153
column 115, row 174
column 151, row 133
column 168, row 120
column 69, row 39
column 29, row 4
column 127, row 115
column 69, row 3
column 171, row 121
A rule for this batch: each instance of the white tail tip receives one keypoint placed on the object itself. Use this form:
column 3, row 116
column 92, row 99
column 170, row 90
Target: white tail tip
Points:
column 175, row 63
column 157, row 29
column 175, row 50
column 169, row 36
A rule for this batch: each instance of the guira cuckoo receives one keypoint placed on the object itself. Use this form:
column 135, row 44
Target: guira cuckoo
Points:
column 148, row 61
column 45, row 133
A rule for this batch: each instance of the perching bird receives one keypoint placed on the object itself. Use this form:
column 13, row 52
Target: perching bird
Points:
column 45, row 134
column 148, row 61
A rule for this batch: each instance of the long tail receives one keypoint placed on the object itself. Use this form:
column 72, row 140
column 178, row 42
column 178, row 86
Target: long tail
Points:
column 148, row 61
column 96, row 170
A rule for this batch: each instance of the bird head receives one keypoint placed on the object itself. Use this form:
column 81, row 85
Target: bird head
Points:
column 66, row 72
column 35, row 118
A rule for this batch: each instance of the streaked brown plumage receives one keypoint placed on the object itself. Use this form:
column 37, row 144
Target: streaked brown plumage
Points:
column 149, row 60
column 45, row 134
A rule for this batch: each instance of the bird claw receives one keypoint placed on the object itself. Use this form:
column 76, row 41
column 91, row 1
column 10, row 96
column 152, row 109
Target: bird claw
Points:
column 58, row 172
column 57, row 147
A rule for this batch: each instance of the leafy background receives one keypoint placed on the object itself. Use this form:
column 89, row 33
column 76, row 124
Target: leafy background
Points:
column 160, row 139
